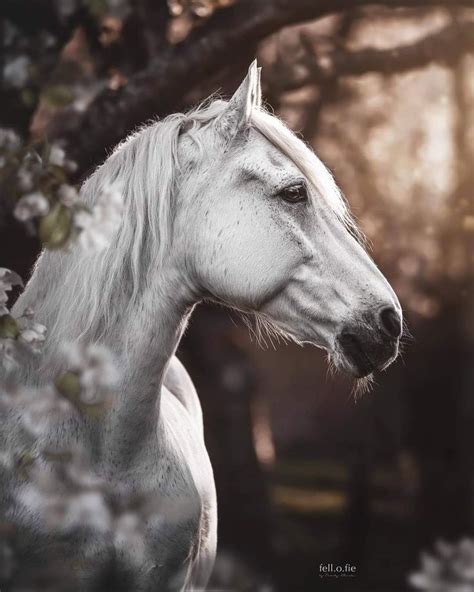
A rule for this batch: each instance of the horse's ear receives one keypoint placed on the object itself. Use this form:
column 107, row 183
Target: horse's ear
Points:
column 258, row 100
column 236, row 116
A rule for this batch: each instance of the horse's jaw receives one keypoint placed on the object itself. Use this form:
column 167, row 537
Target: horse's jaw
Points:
column 356, row 342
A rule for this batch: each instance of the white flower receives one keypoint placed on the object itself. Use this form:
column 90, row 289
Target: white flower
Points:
column 88, row 509
column 42, row 408
column 25, row 179
column 80, row 475
column 9, row 140
column 8, row 279
column 27, row 175
column 129, row 536
column 30, row 206
column 70, row 166
column 7, row 461
column 34, row 336
column 28, row 313
column 64, row 502
column 463, row 560
column 61, row 508
column 66, row 8
column 3, row 301
column 47, row 40
column 16, row 72
column 68, row 195
column 96, row 371
column 8, row 358
column 57, row 156
column 98, row 227
column 450, row 570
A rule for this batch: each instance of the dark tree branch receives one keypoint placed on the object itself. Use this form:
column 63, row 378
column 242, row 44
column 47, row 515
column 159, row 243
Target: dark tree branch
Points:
column 444, row 46
column 328, row 92
column 154, row 17
column 158, row 88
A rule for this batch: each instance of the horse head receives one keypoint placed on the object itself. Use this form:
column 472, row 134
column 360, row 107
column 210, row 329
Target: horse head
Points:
column 267, row 231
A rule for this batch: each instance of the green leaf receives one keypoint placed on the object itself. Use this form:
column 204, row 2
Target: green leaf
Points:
column 28, row 97
column 24, row 461
column 68, row 385
column 98, row 8
column 58, row 173
column 57, row 456
column 9, row 328
column 92, row 410
column 55, row 227
column 58, row 95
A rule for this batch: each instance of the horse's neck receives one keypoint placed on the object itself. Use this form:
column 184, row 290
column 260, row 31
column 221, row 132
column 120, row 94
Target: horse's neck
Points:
column 157, row 326
column 143, row 344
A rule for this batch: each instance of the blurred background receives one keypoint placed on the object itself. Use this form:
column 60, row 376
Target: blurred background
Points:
column 383, row 91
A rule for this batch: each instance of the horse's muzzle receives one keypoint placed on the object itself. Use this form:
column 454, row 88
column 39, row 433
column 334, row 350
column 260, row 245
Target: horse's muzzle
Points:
column 371, row 343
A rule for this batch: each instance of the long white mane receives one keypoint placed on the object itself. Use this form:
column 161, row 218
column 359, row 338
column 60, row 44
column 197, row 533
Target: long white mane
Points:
column 87, row 292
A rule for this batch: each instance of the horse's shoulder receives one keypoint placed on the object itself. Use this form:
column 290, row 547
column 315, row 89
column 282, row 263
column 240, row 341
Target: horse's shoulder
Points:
column 178, row 382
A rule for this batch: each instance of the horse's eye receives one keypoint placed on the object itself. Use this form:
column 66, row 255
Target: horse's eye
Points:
column 295, row 193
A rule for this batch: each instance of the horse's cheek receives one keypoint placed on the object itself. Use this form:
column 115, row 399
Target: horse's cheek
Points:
column 242, row 269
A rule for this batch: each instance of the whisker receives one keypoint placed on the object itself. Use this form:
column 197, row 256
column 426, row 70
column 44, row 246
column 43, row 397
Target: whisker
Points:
column 363, row 386
column 407, row 336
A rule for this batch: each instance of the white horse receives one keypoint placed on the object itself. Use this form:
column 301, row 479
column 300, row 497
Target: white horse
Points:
column 223, row 203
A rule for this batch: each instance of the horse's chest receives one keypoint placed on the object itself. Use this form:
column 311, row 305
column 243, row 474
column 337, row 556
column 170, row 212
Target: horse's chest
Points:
column 177, row 500
column 149, row 541
column 157, row 520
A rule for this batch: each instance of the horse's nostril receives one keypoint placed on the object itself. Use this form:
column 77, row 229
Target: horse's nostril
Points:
column 391, row 322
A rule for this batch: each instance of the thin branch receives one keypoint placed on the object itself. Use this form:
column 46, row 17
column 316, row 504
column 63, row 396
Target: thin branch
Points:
column 329, row 91
column 444, row 46
column 157, row 89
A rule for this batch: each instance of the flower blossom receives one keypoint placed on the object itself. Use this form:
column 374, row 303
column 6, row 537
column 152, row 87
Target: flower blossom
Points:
column 451, row 569
column 57, row 156
column 98, row 226
column 8, row 279
column 9, row 140
column 31, row 206
column 68, row 195
column 34, row 336
column 16, row 72
column 95, row 370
